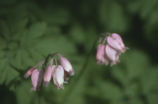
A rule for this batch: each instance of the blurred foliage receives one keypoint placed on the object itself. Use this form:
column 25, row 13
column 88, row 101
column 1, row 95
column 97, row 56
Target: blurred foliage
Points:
column 31, row 29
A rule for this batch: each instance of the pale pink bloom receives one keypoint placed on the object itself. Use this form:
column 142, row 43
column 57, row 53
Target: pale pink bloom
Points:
column 100, row 55
column 119, row 39
column 58, row 76
column 112, row 54
column 116, row 42
column 29, row 72
column 36, row 78
column 48, row 74
column 116, row 36
column 66, row 65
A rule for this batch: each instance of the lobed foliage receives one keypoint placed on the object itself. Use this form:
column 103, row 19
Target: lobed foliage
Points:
column 31, row 29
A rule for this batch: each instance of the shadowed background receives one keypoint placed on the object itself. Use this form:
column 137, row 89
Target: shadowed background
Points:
column 31, row 29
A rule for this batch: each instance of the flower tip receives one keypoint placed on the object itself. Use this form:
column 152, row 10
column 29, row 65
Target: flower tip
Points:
column 60, row 87
column 124, row 49
column 72, row 73
column 113, row 63
column 28, row 73
column 46, row 83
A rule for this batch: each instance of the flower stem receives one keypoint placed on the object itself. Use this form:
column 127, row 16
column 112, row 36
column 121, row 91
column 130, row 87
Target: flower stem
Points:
column 79, row 76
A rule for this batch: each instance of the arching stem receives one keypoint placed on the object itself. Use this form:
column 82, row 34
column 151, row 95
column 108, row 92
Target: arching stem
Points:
column 79, row 76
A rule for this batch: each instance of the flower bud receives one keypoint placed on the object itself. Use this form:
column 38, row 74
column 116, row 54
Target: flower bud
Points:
column 58, row 76
column 29, row 72
column 100, row 56
column 66, row 65
column 116, row 42
column 112, row 54
column 48, row 74
column 36, row 78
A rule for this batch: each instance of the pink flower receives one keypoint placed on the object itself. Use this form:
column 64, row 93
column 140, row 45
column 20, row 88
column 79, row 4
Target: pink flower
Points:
column 60, row 72
column 29, row 72
column 48, row 74
column 100, row 56
column 66, row 65
column 116, row 42
column 36, row 78
column 112, row 54
column 58, row 76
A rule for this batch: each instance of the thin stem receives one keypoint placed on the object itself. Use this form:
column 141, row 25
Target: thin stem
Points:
column 79, row 76
column 39, row 101
column 39, row 64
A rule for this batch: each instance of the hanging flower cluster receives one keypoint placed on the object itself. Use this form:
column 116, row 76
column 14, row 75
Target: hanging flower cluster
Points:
column 109, row 49
column 58, row 69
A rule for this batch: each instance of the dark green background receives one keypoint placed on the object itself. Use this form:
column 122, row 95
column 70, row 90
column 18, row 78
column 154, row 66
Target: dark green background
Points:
column 32, row 29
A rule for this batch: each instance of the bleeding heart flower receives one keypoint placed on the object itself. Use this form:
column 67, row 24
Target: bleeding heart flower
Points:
column 100, row 56
column 112, row 54
column 29, row 72
column 116, row 42
column 66, row 65
column 60, row 72
column 58, row 76
column 48, row 74
column 36, row 78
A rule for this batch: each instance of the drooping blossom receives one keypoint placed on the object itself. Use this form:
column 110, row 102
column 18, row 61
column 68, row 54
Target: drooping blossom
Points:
column 29, row 72
column 48, row 74
column 109, row 49
column 100, row 55
column 58, row 76
column 36, row 78
column 66, row 65
column 112, row 54
column 60, row 69
column 116, row 42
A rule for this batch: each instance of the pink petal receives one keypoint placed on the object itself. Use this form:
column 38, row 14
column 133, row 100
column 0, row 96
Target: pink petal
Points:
column 66, row 65
column 119, row 40
column 114, row 43
column 100, row 55
column 58, row 76
column 29, row 72
column 36, row 78
column 48, row 75
column 116, row 36
column 112, row 54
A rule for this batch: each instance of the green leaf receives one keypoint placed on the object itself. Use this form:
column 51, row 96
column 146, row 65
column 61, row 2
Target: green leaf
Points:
column 151, row 4
column 136, row 100
column 77, row 95
column 78, row 34
column 149, row 80
column 134, row 6
column 109, row 91
column 2, row 44
column 24, row 94
column 152, row 98
column 37, row 30
column 136, row 63
column 4, row 29
column 59, row 16
column 112, row 16
column 55, row 44
column 120, row 75
column 7, row 73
